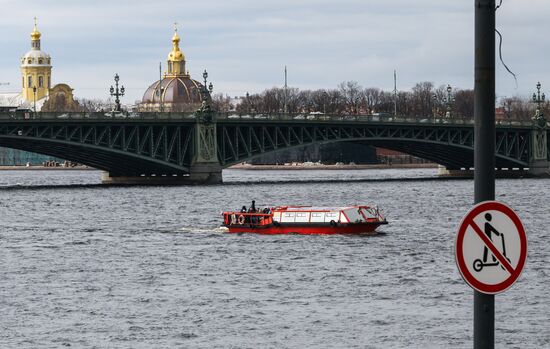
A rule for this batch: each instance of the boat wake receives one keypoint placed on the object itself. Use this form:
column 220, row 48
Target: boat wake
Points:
column 198, row 230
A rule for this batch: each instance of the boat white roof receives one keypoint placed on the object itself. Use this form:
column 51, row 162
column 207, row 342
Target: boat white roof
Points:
column 314, row 208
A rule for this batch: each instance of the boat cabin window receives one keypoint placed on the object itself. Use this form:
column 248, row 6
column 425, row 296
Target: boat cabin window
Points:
column 332, row 216
column 302, row 217
column 317, row 217
column 288, row 217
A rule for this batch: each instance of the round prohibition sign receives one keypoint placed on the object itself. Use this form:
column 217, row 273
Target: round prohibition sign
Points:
column 491, row 247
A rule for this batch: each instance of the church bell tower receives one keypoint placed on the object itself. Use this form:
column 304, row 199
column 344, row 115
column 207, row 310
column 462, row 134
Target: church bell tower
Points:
column 36, row 70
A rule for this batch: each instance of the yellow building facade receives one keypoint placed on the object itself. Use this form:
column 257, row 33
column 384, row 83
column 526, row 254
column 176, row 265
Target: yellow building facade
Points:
column 36, row 70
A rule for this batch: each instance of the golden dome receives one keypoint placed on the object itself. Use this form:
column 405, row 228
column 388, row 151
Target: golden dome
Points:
column 35, row 35
column 176, row 37
column 176, row 55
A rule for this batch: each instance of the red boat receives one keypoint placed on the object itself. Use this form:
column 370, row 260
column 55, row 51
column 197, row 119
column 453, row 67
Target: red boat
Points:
column 305, row 220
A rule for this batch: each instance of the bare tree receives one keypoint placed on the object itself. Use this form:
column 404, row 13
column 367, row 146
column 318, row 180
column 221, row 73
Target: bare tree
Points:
column 95, row 105
column 221, row 102
column 351, row 91
column 517, row 108
column 373, row 99
column 463, row 105
column 422, row 99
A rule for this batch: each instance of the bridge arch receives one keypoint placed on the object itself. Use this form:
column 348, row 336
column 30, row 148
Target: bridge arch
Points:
column 452, row 148
column 114, row 161
column 171, row 144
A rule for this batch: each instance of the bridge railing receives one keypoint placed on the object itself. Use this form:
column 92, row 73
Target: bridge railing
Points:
column 29, row 115
column 374, row 118
column 244, row 117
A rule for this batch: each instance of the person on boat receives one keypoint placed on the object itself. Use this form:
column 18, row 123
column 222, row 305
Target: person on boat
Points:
column 252, row 208
column 243, row 210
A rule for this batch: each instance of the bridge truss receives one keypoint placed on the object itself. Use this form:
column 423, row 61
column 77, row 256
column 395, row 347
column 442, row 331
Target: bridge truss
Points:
column 168, row 145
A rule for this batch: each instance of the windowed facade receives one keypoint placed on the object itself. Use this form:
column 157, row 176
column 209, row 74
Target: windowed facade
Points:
column 35, row 70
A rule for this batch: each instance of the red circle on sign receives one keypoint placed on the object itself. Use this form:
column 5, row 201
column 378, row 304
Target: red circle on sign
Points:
column 459, row 252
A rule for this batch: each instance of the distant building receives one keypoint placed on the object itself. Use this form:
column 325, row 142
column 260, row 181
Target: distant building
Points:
column 61, row 99
column 36, row 70
column 176, row 91
column 500, row 113
column 36, row 80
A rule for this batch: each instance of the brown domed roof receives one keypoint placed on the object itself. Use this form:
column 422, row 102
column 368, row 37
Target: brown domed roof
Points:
column 180, row 90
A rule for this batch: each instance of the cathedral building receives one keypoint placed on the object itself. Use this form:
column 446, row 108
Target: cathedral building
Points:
column 36, row 70
column 36, row 94
column 175, row 91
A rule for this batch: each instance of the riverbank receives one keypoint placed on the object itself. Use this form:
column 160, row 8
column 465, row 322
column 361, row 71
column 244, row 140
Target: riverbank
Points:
column 293, row 166
column 46, row 168
column 314, row 166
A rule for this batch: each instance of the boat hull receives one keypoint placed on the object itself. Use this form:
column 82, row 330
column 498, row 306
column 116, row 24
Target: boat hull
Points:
column 310, row 229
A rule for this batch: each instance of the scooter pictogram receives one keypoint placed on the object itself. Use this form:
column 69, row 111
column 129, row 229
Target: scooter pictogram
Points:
column 489, row 230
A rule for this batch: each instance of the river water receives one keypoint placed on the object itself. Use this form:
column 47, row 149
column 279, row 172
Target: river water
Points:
column 87, row 266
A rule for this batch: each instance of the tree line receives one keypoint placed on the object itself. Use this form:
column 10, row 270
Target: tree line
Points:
column 423, row 100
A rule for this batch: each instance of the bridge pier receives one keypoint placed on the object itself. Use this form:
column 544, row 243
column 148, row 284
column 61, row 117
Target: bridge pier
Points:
column 205, row 167
column 443, row 171
column 199, row 174
column 539, row 168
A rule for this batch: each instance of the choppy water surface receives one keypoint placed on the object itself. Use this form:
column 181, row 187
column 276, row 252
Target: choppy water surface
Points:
column 147, row 267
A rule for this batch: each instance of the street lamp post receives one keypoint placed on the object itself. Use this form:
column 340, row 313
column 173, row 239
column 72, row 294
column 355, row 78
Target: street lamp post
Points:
column 539, row 99
column 247, row 103
column 206, row 96
column 449, row 100
column 207, row 93
column 34, row 94
column 117, row 93
column 434, row 107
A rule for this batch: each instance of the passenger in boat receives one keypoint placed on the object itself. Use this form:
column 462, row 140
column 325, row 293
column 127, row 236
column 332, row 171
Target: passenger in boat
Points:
column 243, row 210
column 252, row 208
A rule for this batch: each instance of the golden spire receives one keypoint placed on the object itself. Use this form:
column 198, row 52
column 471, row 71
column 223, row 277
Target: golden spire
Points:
column 35, row 35
column 176, row 37
column 176, row 55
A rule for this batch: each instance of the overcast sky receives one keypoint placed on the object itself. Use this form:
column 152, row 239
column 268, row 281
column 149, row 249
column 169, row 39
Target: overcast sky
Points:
column 245, row 45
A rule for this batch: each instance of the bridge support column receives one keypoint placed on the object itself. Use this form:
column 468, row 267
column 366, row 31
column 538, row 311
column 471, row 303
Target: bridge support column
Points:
column 204, row 169
column 458, row 173
column 469, row 173
column 199, row 175
column 205, row 173
column 539, row 166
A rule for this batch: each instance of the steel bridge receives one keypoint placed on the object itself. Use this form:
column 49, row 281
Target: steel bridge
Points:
column 165, row 147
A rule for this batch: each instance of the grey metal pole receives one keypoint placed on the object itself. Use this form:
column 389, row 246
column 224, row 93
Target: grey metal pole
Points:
column 484, row 149
column 285, row 108
column 394, row 92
